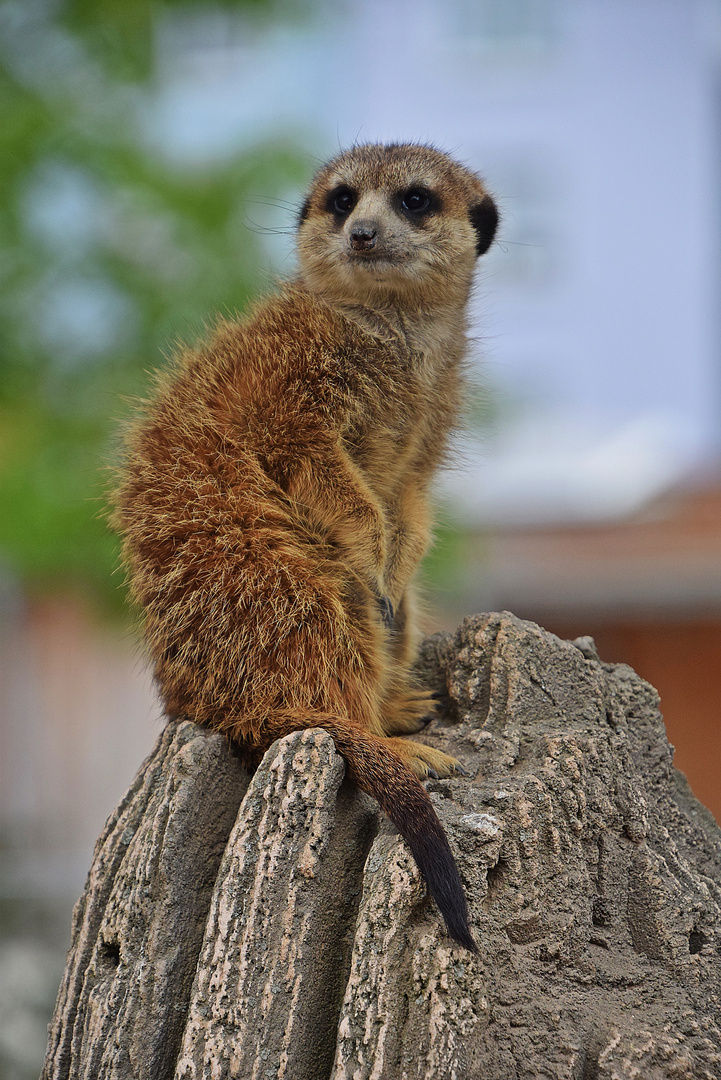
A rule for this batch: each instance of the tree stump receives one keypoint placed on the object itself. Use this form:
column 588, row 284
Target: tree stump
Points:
column 275, row 926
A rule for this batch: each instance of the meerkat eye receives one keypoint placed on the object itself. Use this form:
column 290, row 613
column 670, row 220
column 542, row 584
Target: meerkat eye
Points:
column 417, row 201
column 341, row 200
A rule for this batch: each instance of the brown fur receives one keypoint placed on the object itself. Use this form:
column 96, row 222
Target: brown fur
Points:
column 274, row 498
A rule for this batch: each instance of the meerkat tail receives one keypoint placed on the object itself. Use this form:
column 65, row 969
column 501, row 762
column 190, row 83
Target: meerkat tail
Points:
column 378, row 771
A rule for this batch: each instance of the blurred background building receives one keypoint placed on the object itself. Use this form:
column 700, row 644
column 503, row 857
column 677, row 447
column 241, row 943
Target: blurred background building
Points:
column 152, row 156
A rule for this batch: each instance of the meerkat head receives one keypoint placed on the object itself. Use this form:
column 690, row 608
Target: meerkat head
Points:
column 394, row 223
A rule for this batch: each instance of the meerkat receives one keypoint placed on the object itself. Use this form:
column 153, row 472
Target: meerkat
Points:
column 273, row 500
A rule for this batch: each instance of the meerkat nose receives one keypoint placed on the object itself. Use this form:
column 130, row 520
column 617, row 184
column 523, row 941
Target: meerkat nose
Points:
column 363, row 237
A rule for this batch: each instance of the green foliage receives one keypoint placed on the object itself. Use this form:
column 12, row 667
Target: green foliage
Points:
column 108, row 254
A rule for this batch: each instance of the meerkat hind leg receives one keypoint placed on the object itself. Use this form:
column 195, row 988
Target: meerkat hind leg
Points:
column 406, row 707
column 424, row 760
column 408, row 710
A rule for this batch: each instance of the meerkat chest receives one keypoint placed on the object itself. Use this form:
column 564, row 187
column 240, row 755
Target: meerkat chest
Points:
column 404, row 420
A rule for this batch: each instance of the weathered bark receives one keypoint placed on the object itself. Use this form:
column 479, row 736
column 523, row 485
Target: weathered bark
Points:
column 310, row 950
column 139, row 924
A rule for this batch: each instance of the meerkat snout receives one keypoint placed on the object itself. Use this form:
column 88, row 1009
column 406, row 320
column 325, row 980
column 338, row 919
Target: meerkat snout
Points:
column 363, row 236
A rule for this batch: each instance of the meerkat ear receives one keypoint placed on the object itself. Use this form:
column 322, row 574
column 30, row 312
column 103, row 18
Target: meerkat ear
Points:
column 484, row 219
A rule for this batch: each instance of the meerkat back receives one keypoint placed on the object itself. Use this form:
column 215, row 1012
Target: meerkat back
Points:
column 274, row 497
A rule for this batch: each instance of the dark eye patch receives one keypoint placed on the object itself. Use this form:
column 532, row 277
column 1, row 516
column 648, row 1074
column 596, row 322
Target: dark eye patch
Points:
column 341, row 200
column 418, row 202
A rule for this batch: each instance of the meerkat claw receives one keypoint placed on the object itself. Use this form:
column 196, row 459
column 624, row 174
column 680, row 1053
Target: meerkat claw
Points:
column 387, row 612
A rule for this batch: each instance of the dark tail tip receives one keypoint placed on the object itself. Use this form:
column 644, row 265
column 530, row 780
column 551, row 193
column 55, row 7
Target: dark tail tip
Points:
column 375, row 768
column 429, row 847
column 411, row 811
